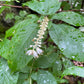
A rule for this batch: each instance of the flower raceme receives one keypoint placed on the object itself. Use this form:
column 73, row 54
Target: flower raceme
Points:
column 35, row 51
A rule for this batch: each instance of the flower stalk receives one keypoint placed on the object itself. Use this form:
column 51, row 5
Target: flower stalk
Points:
column 35, row 51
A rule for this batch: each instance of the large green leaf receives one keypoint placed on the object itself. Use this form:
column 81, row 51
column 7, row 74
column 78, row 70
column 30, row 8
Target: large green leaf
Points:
column 45, row 77
column 23, row 79
column 50, row 56
column 46, row 60
column 44, row 7
column 26, row 69
column 18, row 46
column 69, row 40
column 75, row 70
column 42, row 62
column 4, row 48
column 4, row 45
column 29, row 20
column 12, row 31
column 70, row 18
column 6, row 77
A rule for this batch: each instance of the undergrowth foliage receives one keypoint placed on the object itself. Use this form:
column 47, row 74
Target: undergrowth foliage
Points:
column 41, row 46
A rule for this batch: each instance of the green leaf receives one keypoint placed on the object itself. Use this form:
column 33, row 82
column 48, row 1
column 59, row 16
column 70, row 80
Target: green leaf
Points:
column 34, row 76
column 45, row 77
column 57, row 66
column 20, row 42
column 30, row 19
column 26, row 69
column 9, row 16
column 6, row 77
column 69, row 40
column 42, row 62
column 12, row 31
column 2, row 9
column 23, row 13
column 65, row 5
column 23, row 79
column 4, row 48
column 45, row 61
column 48, row 59
column 70, row 18
column 75, row 70
column 44, row 7
column 66, row 63
column 61, row 81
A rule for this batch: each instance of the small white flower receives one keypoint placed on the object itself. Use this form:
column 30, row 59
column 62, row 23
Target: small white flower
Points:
column 29, row 52
column 46, row 25
column 44, row 29
column 32, row 52
column 35, row 54
column 39, row 32
column 38, row 35
column 39, row 42
column 39, row 51
column 31, row 46
column 35, row 38
column 39, row 45
column 41, row 37
column 41, row 25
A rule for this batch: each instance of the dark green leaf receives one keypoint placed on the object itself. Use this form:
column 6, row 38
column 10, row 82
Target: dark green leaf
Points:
column 60, row 80
column 34, row 76
column 65, row 5
column 19, row 44
column 70, row 18
column 9, row 16
column 4, row 46
column 66, row 63
column 75, row 70
column 44, row 7
column 30, row 19
column 45, row 77
column 26, row 69
column 69, row 40
column 42, row 62
column 57, row 66
column 46, row 61
column 23, row 79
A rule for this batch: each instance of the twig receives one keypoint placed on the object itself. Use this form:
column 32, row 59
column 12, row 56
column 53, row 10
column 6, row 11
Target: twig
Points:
column 82, row 10
column 13, row 6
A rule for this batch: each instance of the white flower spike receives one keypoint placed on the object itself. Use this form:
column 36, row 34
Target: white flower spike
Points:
column 36, row 48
